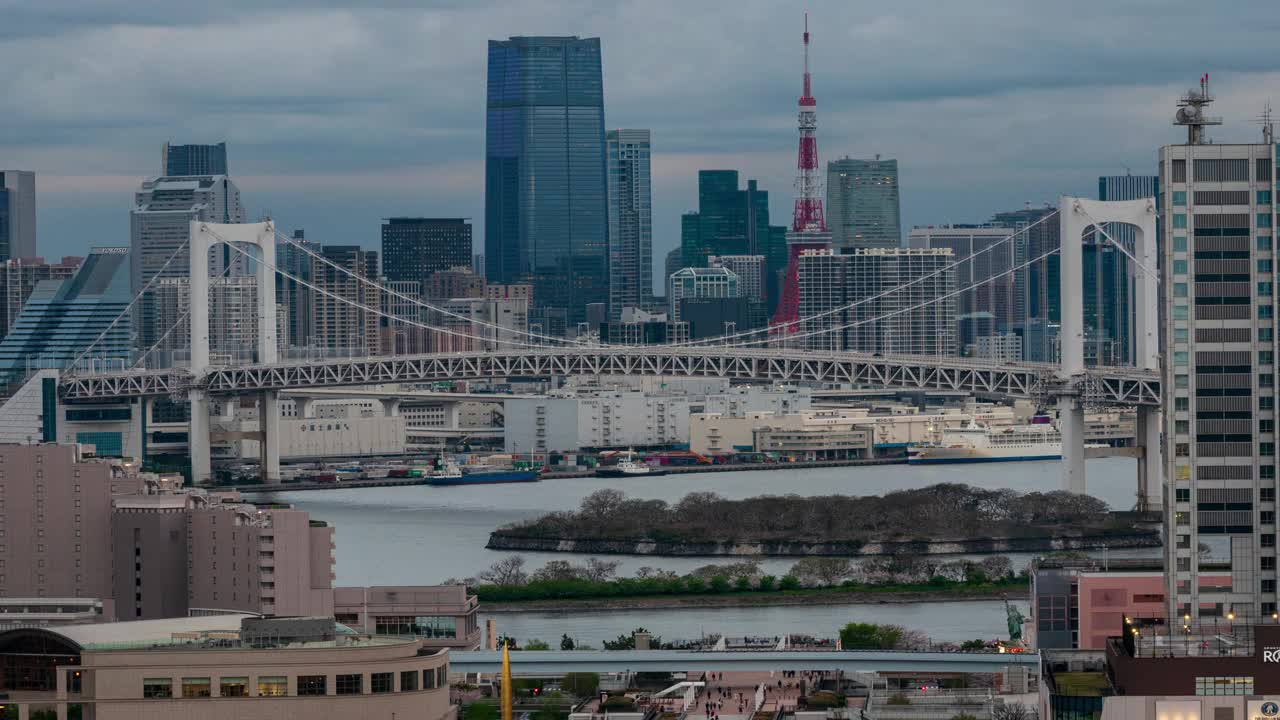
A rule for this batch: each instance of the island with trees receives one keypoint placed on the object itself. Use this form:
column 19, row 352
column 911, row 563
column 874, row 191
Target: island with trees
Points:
column 940, row 519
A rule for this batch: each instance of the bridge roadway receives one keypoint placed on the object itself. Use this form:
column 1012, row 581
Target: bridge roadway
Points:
column 1115, row 386
column 558, row 662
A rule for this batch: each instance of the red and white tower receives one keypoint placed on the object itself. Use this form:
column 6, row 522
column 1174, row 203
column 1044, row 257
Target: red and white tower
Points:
column 808, row 225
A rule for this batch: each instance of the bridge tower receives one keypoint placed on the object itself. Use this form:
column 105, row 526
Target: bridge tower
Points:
column 1076, row 216
column 204, row 236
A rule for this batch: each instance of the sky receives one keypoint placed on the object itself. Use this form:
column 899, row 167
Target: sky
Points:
column 338, row 114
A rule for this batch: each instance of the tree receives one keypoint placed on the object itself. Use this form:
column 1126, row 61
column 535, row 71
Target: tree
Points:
column 598, row 570
column 536, row 644
column 507, row 571
column 977, row 644
column 1013, row 711
column 996, row 567
column 555, row 571
column 871, row 636
column 789, row 582
column 742, row 584
column 766, row 582
column 566, row 642
column 581, row 684
column 822, row 571
column 719, row 584
column 601, row 504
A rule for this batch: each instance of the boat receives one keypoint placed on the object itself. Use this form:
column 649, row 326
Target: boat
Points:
column 981, row 443
column 628, row 467
column 447, row 472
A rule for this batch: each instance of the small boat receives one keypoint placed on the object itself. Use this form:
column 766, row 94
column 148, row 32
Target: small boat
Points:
column 447, row 472
column 628, row 467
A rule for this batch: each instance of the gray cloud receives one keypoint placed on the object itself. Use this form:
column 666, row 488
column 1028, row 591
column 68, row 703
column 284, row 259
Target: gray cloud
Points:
column 377, row 108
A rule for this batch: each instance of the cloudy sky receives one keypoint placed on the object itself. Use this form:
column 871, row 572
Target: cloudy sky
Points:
column 340, row 114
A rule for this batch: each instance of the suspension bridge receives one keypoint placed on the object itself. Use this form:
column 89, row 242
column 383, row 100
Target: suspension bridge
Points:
column 764, row 355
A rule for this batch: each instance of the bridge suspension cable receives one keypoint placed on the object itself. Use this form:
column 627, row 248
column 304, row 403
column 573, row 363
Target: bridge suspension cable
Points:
column 900, row 311
column 378, row 311
column 1120, row 246
column 419, row 302
column 187, row 313
column 872, row 298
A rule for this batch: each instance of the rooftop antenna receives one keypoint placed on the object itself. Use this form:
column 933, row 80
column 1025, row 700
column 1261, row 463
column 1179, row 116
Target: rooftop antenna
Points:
column 1191, row 112
column 1268, row 126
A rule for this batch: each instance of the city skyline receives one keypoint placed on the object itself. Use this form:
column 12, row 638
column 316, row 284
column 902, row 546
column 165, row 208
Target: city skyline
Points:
column 426, row 156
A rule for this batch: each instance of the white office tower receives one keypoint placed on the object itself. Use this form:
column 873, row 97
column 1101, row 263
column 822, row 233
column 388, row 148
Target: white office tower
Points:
column 1218, row 320
column 160, row 225
column 878, row 300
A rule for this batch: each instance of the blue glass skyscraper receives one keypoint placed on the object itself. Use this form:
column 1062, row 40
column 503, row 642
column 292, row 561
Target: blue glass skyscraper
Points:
column 546, row 218
column 194, row 159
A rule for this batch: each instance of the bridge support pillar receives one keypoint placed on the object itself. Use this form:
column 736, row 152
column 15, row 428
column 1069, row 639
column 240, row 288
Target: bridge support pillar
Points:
column 1150, row 462
column 1071, row 424
column 198, row 437
column 303, row 406
column 269, row 426
column 390, row 407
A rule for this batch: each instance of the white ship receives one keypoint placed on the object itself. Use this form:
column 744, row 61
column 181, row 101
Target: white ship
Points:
column 982, row 443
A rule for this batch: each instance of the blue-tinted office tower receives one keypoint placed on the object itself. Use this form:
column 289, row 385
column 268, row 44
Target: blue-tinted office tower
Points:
column 546, row 217
column 62, row 318
column 1109, row 276
column 194, row 159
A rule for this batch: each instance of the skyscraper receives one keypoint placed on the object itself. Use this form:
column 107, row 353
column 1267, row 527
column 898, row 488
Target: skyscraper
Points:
column 62, row 318
column 414, row 248
column 293, row 297
column 862, row 203
column 1217, row 209
column 879, row 322
column 993, row 253
column 1109, row 278
column 728, row 221
column 1039, row 313
column 18, row 279
column 160, row 224
column 177, row 160
column 350, row 325
column 698, row 283
column 546, row 219
column 17, row 214
column 630, row 221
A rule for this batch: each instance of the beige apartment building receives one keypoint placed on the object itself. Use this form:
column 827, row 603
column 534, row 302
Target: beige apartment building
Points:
column 442, row 616
column 224, row 666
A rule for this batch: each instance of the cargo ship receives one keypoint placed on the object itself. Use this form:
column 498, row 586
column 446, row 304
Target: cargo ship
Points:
column 447, row 472
column 980, row 443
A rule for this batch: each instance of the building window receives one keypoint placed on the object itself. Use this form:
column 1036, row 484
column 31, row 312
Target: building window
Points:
column 429, row 679
column 1179, row 267
column 1184, row 564
column 1266, row 403
column 1224, row 686
column 312, row 684
column 1180, row 358
column 1182, row 404
column 1264, row 197
column 1267, row 540
column 1264, row 288
column 1264, row 312
column 1179, row 197
column 1264, row 220
column 1266, row 448
column 234, row 687
column 1268, row 586
column 1180, row 382
column 349, row 684
column 195, row 687
column 1267, row 563
column 1267, row 494
column 1182, row 494
column 157, row 687
column 408, row 681
column 1180, row 289
column 273, row 686
column 382, row 682
column 1264, row 242
column 1181, row 518
column 1180, row 220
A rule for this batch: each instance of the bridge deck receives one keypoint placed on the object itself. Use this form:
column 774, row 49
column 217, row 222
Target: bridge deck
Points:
column 1119, row 386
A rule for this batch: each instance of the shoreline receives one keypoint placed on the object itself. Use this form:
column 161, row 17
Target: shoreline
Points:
column 773, row 599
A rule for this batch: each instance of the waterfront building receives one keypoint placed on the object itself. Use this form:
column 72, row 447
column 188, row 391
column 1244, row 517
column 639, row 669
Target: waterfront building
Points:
column 1001, row 347
column 339, row 326
column 217, row 666
column 880, row 321
column 699, row 282
column 862, row 204
column 17, row 214
column 630, row 220
column 63, row 318
column 546, row 217
column 629, row 418
column 160, row 225
column 18, row 279
column 979, row 253
column 181, row 160
column 414, row 248
column 1219, row 392
column 440, row 616
column 233, row 320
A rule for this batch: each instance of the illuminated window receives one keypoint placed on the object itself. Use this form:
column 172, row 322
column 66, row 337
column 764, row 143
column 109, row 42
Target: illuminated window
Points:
column 273, row 686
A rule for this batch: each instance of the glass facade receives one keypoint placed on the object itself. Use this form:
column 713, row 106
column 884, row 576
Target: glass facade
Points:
column 545, row 189
column 730, row 221
column 415, row 248
column 195, row 159
column 630, row 221
column 63, row 317
column 863, row 209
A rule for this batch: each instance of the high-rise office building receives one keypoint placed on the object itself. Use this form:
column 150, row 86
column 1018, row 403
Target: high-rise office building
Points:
column 991, row 253
column 293, row 297
column 863, row 204
column 414, row 248
column 546, row 217
column 697, row 283
column 630, row 221
column 160, row 225
column 177, row 160
column 730, row 221
column 1109, row 276
column 403, row 336
column 1218, row 214
column 18, row 279
column 458, row 282
column 752, row 286
column 1038, row 312
column 673, row 262
column 17, row 214
column 345, row 319
column 880, row 321
column 63, row 318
